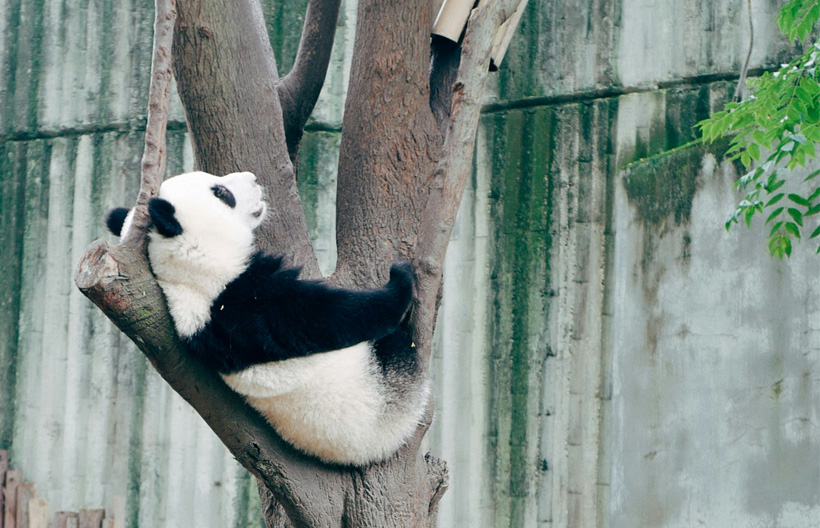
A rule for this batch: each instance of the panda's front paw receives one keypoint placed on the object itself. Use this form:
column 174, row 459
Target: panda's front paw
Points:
column 402, row 272
column 402, row 277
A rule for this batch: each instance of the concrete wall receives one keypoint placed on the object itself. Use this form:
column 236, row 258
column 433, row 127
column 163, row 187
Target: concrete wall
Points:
column 606, row 354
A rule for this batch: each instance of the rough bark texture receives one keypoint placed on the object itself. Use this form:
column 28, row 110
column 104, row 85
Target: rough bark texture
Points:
column 227, row 77
column 390, row 141
column 401, row 176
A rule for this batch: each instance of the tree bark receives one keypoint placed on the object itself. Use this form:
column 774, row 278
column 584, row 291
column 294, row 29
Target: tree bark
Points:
column 227, row 77
column 390, row 141
column 402, row 171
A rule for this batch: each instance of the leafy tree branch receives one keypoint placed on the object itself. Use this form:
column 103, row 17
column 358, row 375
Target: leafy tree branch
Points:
column 775, row 132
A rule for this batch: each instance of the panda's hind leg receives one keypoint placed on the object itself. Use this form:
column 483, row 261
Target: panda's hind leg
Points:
column 402, row 373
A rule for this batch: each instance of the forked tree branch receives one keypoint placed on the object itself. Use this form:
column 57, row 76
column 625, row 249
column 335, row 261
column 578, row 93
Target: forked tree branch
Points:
column 299, row 89
column 454, row 166
column 238, row 126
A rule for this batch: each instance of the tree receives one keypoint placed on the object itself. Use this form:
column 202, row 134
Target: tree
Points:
column 408, row 135
column 774, row 132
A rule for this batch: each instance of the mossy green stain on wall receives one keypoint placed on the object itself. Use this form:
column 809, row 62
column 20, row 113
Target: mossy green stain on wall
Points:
column 35, row 71
column 284, row 21
column 677, row 111
column 663, row 187
column 516, row 76
column 521, row 203
column 12, row 199
column 11, row 43
column 106, row 48
column 308, row 175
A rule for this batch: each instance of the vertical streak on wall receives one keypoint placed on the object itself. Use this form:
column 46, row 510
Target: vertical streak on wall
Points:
column 575, row 380
column 12, row 193
column 318, row 164
column 520, row 207
column 459, row 363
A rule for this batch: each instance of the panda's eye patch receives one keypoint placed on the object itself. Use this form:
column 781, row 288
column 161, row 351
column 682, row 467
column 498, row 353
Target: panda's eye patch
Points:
column 224, row 195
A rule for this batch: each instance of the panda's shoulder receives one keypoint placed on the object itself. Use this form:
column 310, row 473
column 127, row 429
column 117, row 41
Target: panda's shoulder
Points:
column 264, row 271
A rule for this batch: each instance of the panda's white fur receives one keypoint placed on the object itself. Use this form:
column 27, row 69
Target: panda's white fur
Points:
column 341, row 405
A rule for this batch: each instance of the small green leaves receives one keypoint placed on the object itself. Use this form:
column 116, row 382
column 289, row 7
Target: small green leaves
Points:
column 798, row 17
column 797, row 216
column 774, row 214
column 775, row 132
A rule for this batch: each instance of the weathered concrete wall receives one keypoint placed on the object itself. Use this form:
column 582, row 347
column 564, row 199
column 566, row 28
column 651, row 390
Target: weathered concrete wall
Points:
column 716, row 363
column 606, row 354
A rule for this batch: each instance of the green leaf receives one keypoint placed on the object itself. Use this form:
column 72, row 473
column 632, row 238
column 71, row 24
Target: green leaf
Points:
column 754, row 151
column 775, row 199
column 792, row 229
column 774, row 214
column 812, row 175
column 776, row 186
column 796, row 215
column 815, row 232
column 799, row 200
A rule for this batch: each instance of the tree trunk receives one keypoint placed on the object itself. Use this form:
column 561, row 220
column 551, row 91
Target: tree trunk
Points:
column 402, row 170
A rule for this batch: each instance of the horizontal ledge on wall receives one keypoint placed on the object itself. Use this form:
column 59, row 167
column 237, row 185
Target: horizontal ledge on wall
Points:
column 131, row 125
column 616, row 91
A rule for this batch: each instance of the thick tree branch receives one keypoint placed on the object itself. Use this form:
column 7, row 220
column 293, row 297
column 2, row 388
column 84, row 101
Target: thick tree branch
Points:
column 299, row 89
column 390, row 141
column 118, row 280
column 227, row 76
column 454, row 167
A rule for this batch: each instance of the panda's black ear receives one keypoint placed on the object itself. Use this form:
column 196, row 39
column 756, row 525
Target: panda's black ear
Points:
column 162, row 215
column 115, row 219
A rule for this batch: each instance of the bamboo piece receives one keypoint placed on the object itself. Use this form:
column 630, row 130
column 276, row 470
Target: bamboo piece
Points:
column 4, row 466
column 13, row 478
column 452, row 18
column 38, row 513
column 117, row 512
column 25, row 492
column 67, row 520
column 91, row 518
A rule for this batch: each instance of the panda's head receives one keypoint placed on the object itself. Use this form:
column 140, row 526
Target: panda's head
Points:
column 201, row 238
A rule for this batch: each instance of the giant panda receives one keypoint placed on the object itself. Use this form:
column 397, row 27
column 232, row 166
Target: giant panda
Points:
column 331, row 369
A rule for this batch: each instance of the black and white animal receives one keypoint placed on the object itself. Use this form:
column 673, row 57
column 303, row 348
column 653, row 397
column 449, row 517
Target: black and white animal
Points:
column 331, row 369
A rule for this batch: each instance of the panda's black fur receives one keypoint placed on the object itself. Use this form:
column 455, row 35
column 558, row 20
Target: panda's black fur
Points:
column 268, row 314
